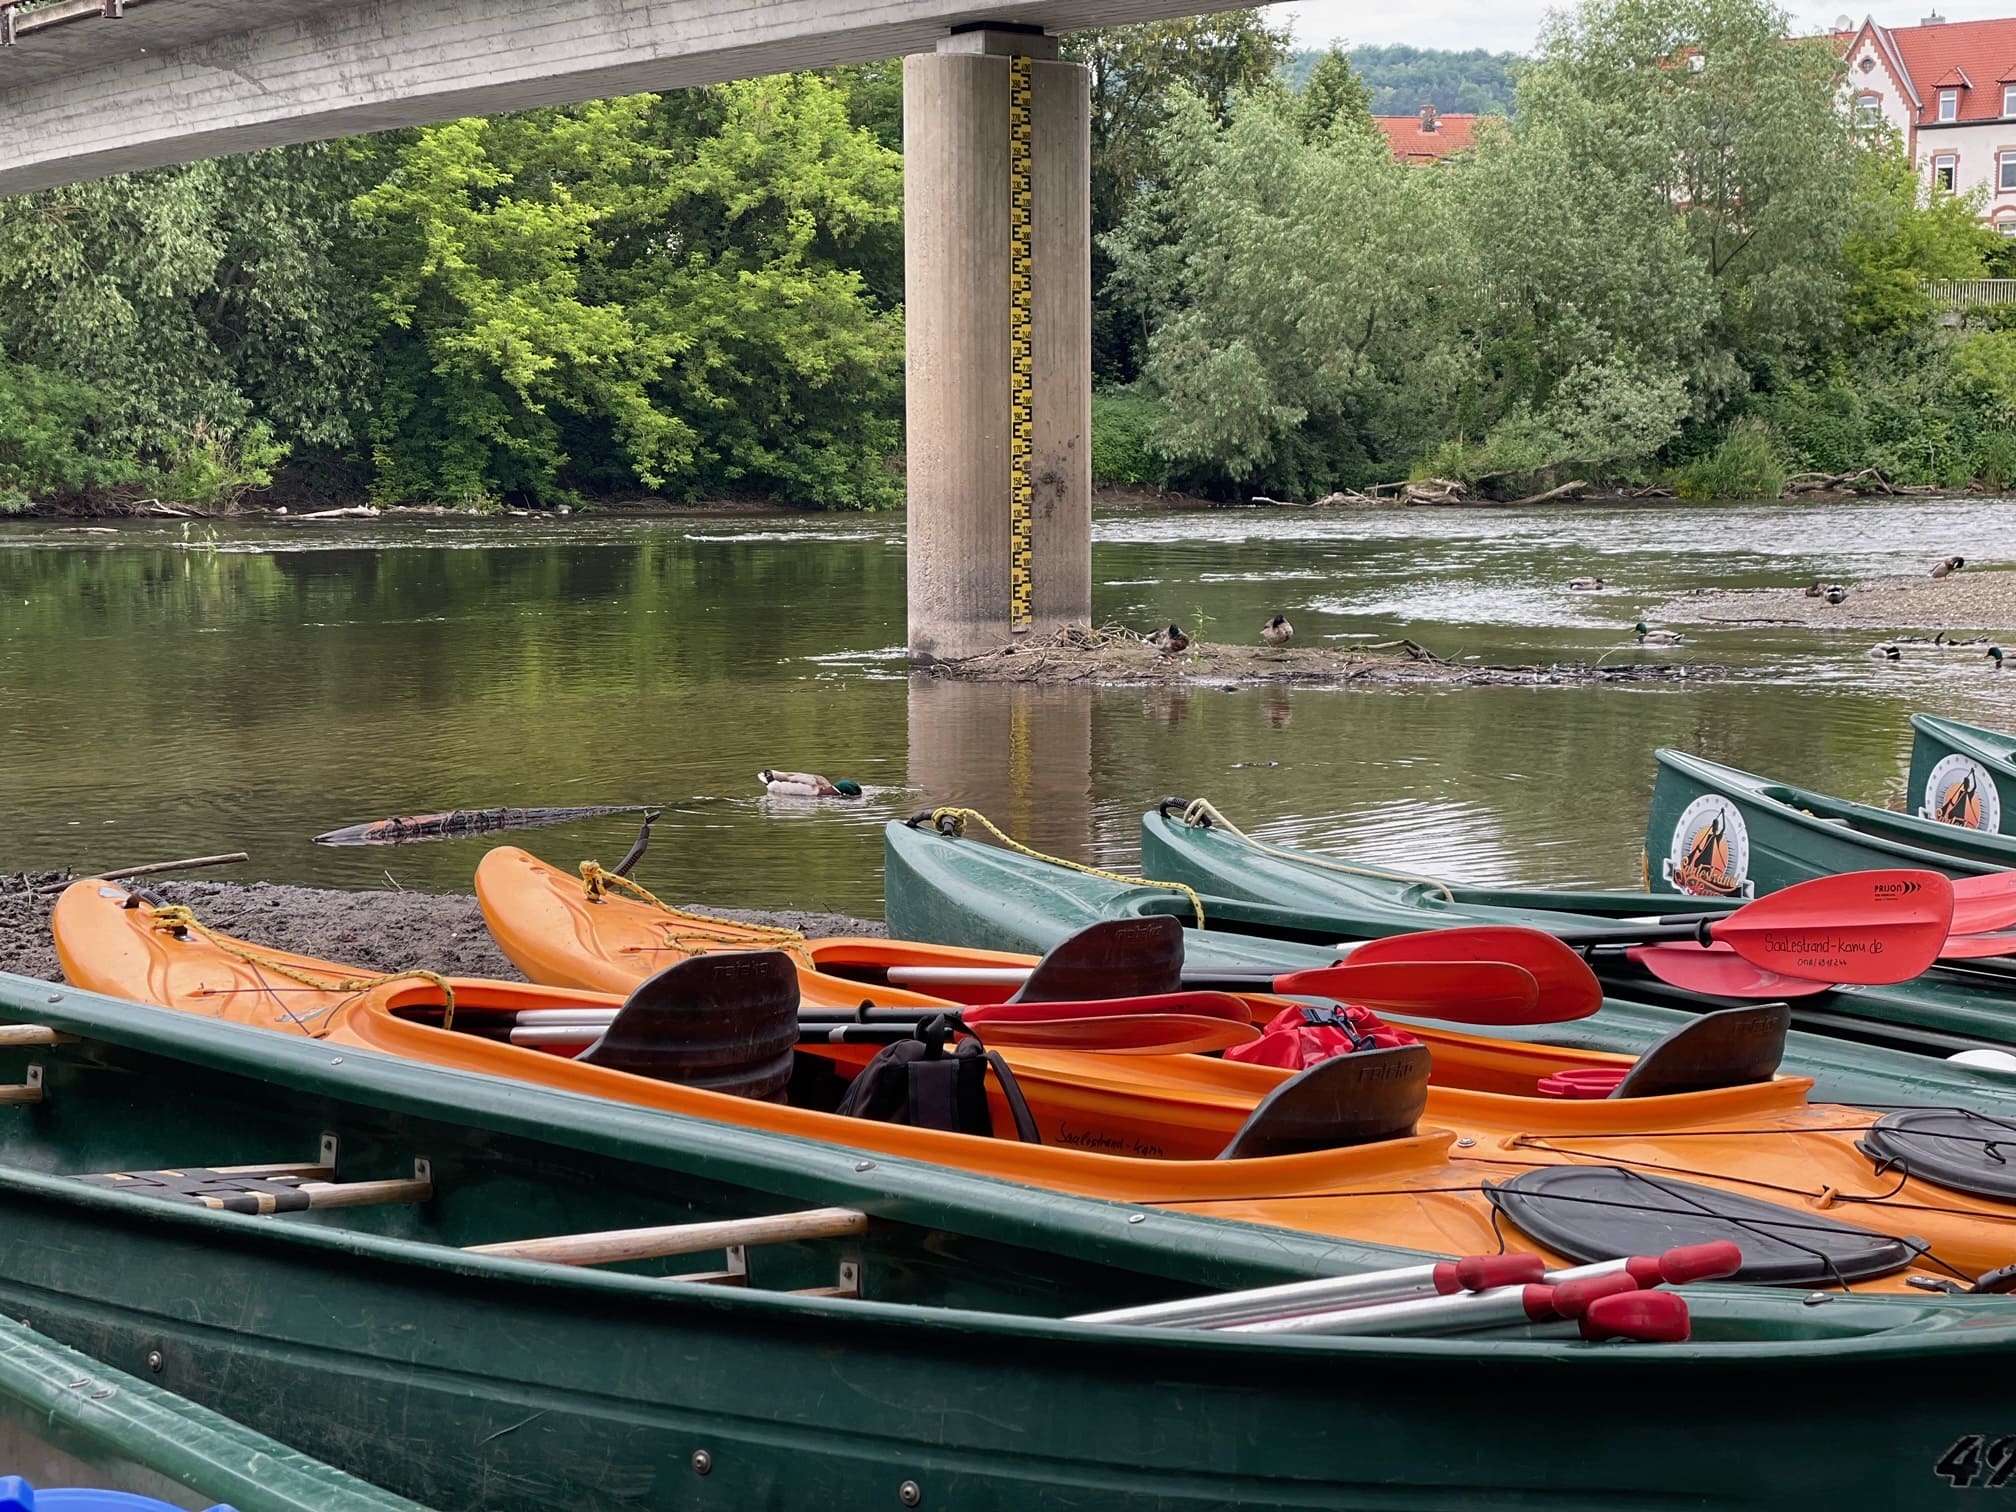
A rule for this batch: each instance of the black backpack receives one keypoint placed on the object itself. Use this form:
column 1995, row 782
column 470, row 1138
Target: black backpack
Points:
column 918, row 1082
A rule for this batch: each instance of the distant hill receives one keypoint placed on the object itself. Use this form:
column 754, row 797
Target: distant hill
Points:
column 1403, row 79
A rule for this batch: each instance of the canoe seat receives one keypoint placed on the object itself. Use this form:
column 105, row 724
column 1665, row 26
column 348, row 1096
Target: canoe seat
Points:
column 268, row 1189
column 1116, row 958
column 723, row 1023
column 1354, row 1099
column 1732, row 1047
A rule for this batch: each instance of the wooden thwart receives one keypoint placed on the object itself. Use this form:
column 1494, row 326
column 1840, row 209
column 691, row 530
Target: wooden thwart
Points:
column 29, row 1091
column 617, row 1245
column 15, row 1036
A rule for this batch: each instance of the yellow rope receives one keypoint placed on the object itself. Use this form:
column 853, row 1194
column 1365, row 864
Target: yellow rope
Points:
column 959, row 816
column 174, row 918
column 1203, row 809
column 692, row 933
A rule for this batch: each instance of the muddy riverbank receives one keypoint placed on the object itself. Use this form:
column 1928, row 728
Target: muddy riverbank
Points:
column 1100, row 659
column 380, row 931
column 1965, row 603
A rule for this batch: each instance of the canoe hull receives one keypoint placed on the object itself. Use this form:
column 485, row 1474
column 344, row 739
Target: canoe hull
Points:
column 468, row 1382
column 1962, row 775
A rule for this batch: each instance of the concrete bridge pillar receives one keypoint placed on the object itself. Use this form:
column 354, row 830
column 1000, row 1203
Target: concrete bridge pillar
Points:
column 997, row 152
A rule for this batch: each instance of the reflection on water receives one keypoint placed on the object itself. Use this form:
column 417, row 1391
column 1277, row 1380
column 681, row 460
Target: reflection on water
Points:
column 169, row 693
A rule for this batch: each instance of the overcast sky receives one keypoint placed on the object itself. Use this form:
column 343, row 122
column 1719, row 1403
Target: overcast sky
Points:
column 1510, row 25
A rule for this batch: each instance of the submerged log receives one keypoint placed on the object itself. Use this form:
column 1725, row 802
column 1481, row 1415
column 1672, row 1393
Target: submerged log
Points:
column 458, row 822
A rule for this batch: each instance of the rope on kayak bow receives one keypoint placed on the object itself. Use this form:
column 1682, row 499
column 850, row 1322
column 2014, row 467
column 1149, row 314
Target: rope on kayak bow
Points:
column 952, row 821
column 693, row 934
column 176, row 918
column 1203, row 811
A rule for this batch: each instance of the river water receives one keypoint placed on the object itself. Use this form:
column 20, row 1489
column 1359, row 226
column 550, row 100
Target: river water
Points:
column 168, row 691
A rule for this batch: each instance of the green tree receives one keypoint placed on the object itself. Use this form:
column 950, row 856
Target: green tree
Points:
column 49, row 439
column 1334, row 98
column 1905, row 234
column 658, row 291
column 1133, row 71
column 1705, row 107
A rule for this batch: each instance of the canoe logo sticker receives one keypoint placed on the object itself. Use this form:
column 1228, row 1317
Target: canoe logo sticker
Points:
column 1710, row 856
column 1961, row 792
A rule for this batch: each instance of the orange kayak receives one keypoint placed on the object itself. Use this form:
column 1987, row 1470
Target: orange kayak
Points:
column 1152, row 1130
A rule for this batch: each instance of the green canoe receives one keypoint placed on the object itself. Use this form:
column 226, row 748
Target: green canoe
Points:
column 1949, row 1009
column 1963, row 775
column 66, row 1420
column 963, row 891
column 938, row 1369
column 1715, row 831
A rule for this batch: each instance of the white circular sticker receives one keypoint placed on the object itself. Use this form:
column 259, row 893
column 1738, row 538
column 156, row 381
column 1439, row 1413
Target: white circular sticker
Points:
column 1961, row 791
column 1710, row 855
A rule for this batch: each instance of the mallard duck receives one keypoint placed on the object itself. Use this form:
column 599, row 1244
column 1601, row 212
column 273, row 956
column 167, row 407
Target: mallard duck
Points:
column 1816, row 590
column 1277, row 631
column 1585, row 584
column 1836, row 594
column 1648, row 637
column 1995, row 654
column 805, row 785
column 1170, row 642
column 1887, row 652
column 1948, row 567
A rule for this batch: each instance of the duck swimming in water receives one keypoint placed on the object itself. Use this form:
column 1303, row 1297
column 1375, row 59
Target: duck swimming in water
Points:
column 1647, row 637
column 1816, row 590
column 1277, row 631
column 1585, row 584
column 805, row 785
column 1996, row 653
column 1887, row 652
column 1948, row 567
column 1836, row 594
column 1170, row 642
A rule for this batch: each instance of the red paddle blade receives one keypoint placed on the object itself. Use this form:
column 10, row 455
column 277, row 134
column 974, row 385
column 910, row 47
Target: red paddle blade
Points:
column 1865, row 928
column 1457, row 992
column 1121, row 1034
column 1568, row 988
column 1719, row 972
column 1984, row 903
column 1225, row 1006
column 1975, row 947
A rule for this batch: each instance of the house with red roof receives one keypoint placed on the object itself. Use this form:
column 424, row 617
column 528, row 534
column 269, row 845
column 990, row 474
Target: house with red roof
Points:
column 1428, row 137
column 1949, row 90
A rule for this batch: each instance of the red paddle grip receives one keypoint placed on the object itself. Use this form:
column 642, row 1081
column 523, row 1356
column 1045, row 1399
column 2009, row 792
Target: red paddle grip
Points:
column 1700, row 1262
column 1647, row 1317
column 1482, row 1272
column 1574, row 1298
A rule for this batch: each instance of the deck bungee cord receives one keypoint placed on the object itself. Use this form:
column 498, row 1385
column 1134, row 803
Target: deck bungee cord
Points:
column 952, row 822
column 178, row 919
column 688, row 932
column 1201, row 813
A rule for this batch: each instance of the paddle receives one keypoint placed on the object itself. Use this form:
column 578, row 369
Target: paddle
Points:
column 1864, row 928
column 1718, row 971
column 1106, row 1033
column 1980, row 905
column 1474, row 988
column 1975, row 947
column 1568, row 988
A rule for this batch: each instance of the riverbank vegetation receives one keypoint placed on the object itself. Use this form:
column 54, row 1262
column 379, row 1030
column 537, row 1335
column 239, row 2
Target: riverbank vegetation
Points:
column 1676, row 265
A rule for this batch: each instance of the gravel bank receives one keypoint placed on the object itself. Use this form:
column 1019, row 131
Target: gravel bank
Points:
column 381, row 931
column 1967, row 603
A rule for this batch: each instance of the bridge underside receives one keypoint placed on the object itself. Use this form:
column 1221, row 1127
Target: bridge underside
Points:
column 998, row 238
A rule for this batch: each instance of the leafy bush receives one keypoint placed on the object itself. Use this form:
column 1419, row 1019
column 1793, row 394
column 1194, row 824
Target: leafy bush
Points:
column 1995, row 460
column 211, row 470
column 47, row 442
column 1744, row 466
column 1123, row 451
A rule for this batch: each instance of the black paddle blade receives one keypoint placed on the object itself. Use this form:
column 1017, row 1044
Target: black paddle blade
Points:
column 1114, row 958
column 723, row 1023
column 1352, row 1099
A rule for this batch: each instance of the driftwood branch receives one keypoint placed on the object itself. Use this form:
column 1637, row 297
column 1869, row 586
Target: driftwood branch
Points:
column 1868, row 480
column 1562, row 492
column 152, row 868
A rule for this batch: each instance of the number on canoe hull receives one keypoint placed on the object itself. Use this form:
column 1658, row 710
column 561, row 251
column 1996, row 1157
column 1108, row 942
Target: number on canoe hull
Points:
column 1710, row 854
column 1978, row 1461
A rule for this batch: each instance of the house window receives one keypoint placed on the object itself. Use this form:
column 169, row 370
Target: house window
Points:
column 2005, row 170
column 1869, row 110
column 1949, row 104
column 1943, row 168
column 2007, row 227
column 2009, row 99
